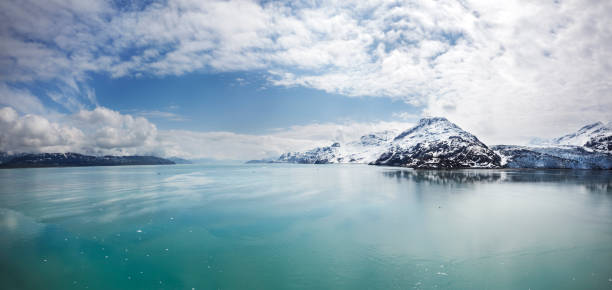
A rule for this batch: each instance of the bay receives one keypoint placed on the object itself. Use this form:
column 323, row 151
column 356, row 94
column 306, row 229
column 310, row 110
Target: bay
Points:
column 281, row 226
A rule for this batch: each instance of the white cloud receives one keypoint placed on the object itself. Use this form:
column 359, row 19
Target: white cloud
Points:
column 506, row 71
column 113, row 130
column 21, row 100
column 406, row 116
column 99, row 131
column 33, row 133
column 156, row 114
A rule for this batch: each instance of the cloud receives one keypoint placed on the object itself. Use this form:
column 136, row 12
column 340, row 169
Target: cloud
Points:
column 113, row 130
column 33, row 133
column 406, row 116
column 156, row 114
column 99, row 131
column 20, row 99
column 507, row 71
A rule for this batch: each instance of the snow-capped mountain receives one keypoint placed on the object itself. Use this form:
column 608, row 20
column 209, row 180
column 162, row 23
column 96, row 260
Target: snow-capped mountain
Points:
column 369, row 147
column 596, row 136
column 364, row 150
column 438, row 143
column 319, row 155
column 588, row 148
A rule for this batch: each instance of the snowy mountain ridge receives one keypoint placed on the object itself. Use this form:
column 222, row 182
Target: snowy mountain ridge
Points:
column 364, row 150
column 438, row 143
column 596, row 136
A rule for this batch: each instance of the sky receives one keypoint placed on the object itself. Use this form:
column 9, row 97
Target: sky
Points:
column 254, row 79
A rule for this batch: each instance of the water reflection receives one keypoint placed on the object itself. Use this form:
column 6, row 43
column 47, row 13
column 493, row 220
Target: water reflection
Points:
column 592, row 180
column 444, row 176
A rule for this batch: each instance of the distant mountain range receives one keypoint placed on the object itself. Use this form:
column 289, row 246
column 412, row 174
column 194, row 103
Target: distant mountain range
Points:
column 437, row 143
column 75, row 159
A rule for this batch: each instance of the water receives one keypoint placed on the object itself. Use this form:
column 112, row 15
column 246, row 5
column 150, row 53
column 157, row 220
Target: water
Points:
column 304, row 227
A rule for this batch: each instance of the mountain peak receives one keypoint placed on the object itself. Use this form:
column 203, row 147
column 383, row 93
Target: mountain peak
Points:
column 438, row 143
column 431, row 120
column 597, row 135
column 431, row 125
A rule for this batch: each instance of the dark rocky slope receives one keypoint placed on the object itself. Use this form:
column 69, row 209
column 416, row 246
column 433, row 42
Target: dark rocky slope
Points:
column 74, row 159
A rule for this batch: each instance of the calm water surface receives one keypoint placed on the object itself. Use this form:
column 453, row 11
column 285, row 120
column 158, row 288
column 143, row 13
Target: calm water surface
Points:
column 304, row 227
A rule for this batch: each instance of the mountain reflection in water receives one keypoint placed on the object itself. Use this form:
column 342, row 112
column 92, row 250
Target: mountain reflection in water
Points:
column 592, row 180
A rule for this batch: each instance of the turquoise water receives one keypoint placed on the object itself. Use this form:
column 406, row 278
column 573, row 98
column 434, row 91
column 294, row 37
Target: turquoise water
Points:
column 304, row 227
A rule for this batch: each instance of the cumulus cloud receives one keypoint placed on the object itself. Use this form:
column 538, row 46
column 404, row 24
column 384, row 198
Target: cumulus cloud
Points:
column 99, row 131
column 113, row 130
column 33, row 133
column 507, row 71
